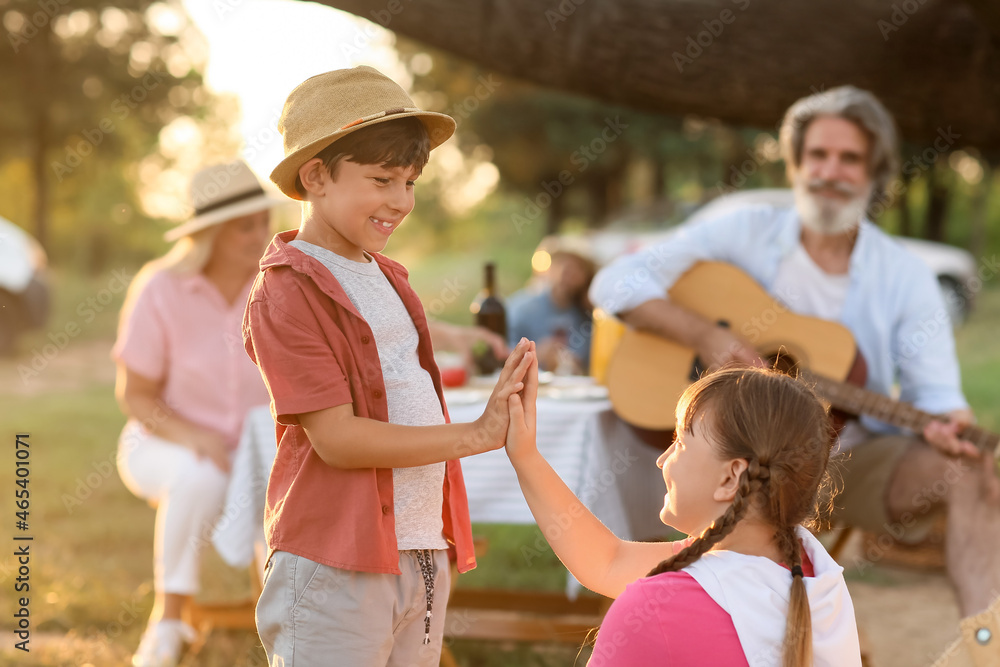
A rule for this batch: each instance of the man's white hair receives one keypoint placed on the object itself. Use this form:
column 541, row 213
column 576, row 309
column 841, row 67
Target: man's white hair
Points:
column 853, row 104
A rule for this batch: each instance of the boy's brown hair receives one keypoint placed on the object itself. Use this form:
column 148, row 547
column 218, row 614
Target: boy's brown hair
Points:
column 403, row 142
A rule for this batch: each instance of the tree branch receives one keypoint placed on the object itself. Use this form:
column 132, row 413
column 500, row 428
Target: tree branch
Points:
column 742, row 61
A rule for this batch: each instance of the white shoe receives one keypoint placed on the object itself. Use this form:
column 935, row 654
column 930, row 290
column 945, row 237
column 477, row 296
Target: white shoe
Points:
column 162, row 643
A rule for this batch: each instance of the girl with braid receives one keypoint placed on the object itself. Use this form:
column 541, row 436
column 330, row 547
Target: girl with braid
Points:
column 751, row 586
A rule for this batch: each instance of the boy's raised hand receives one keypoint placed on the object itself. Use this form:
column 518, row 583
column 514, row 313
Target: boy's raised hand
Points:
column 491, row 429
column 521, row 430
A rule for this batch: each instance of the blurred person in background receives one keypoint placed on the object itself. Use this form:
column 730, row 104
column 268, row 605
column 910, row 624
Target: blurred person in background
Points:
column 462, row 340
column 824, row 258
column 186, row 384
column 555, row 311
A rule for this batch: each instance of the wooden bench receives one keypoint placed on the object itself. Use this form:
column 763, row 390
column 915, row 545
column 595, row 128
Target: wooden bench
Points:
column 490, row 614
column 236, row 615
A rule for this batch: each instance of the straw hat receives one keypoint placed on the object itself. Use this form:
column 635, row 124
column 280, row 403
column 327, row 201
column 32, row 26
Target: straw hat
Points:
column 220, row 193
column 549, row 247
column 328, row 106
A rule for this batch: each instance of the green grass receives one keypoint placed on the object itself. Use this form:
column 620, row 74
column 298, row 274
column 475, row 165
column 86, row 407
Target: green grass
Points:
column 83, row 308
column 85, row 552
column 979, row 353
column 92, row 551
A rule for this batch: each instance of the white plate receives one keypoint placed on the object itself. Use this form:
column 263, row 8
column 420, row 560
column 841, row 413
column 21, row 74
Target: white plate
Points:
column 466, row 396
column 544, row 377
column 571, row 381
column 483, row 381
column 592, row 392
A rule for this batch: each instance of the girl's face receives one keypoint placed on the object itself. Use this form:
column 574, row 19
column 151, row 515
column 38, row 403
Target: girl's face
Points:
column 700, row 486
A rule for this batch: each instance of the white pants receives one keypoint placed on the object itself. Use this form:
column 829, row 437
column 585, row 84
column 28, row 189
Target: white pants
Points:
column 188, row 493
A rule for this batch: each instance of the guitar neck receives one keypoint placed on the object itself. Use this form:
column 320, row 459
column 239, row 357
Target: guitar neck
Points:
column 858, row 401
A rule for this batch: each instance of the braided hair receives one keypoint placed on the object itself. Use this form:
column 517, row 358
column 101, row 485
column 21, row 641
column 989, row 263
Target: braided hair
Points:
column 778, row 425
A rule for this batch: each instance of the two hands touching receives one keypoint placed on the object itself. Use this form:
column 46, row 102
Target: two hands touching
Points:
column 521, row 445
column 509, row 417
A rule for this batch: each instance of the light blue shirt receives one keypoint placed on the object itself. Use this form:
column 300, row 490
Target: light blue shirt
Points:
column 532, row 314
column 893, row 308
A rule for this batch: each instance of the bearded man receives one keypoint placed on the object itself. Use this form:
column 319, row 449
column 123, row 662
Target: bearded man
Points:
column 824, row 258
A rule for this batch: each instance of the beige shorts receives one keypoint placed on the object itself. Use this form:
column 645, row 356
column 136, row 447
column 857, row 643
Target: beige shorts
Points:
column 862, row 476
column 312, row 614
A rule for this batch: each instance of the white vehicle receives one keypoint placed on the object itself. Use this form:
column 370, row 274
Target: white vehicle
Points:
column 955, row 270
column 24, row 291
column 954, row 267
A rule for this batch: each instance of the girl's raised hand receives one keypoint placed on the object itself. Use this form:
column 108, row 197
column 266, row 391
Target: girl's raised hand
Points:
column 521, row 444
column 492, row 425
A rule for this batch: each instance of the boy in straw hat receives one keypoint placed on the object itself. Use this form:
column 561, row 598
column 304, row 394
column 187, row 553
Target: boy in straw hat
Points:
column 366, row 496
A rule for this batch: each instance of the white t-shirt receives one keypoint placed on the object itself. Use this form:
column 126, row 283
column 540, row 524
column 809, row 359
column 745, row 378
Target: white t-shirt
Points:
column 809, row 290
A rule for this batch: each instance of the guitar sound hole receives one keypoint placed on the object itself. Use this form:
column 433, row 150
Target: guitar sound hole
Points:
column 783, row 363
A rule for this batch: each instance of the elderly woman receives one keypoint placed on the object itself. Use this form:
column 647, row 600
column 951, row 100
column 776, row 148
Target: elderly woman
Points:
column 186, row 384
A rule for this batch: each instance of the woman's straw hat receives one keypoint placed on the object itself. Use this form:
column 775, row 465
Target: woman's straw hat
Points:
column 328, row 106
column 220, row 193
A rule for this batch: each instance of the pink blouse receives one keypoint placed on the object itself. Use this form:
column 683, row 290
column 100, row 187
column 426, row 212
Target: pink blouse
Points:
column 182, row 332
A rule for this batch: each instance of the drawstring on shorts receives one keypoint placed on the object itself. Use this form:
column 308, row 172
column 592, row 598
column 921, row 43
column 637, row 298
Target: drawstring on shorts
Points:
column 426, row 560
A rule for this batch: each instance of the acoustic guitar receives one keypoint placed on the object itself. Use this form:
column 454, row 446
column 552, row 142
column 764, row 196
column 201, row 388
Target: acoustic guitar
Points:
column 646, row 374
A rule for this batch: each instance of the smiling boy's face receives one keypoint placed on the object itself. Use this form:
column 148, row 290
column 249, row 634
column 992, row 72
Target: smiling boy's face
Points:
column 359, row 208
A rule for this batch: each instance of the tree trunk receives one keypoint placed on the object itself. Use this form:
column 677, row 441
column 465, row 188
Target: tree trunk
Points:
column 905, row 217
column 660, row 190
column 935, row 65
column 734, row 175
column 556, row 211
column 37, row 76
column 597, row 199
column 937, row 204
column 40, row 143
column 616, row 194
column 978, row 212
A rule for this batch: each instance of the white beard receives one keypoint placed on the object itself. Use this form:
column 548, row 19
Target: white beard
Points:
column 826, row 215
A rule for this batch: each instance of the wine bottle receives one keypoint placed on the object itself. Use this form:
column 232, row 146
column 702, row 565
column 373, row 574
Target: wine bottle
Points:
column 490, row 314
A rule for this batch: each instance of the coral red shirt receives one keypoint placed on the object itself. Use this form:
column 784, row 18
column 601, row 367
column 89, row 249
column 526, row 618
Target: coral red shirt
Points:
column 315, row 351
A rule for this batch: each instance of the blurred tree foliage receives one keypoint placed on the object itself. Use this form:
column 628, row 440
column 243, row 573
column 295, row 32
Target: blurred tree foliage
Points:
column 571, row 162
column 87, row 88
column 571, row 157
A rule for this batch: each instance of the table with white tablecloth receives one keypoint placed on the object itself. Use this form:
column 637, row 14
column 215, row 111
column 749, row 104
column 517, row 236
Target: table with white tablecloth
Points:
column 239, row 532
column 597, row 455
